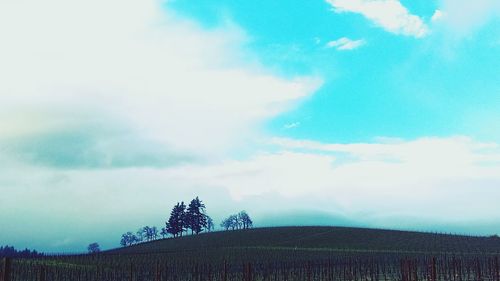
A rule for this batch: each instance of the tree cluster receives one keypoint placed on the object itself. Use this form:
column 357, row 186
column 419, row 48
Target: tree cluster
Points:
column 183, row 219
column 147, row 233
column 240, row 220
column 144, row 234
column 193, row 217
column 11, row 252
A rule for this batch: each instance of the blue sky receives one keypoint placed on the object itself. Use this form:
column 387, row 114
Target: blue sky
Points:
column 378, row 113
column 398, row 86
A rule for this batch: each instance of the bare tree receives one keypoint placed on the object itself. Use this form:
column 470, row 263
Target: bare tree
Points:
column 238, row 221
column 245, row 220
column 164, row 232
column 154, row 232
column 210, row 224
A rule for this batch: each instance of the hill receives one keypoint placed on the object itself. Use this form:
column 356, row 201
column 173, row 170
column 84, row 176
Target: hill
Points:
column 282, row 253
column 345, row 239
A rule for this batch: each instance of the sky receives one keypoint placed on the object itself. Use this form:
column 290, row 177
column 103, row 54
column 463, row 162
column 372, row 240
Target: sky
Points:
column 371, row 113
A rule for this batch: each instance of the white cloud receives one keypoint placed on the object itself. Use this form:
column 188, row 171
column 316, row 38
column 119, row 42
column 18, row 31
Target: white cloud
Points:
column 135, row 67
column 344, row 43
column 438, row 15
column 399, row 177
column 462, row 17
column 388, row 14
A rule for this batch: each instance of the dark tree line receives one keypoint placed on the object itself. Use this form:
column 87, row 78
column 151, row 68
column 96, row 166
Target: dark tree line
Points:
column 183, row 219
column 11, row 252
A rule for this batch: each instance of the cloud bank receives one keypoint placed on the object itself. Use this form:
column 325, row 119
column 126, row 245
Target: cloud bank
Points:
column 120, row 77
column 440, row 182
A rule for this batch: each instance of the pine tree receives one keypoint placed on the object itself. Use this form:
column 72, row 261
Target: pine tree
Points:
column 195, row 217
column 177, row 222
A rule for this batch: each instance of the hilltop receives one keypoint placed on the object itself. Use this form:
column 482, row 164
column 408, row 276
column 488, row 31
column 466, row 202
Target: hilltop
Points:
column 313, row 238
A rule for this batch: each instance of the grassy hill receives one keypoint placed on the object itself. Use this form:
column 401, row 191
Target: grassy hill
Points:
column 283, row 254
column 322, row 239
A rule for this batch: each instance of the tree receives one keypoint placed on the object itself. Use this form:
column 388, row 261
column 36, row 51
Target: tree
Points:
column 128, row 239
column 230, row 222
column 196, row 218
column 94, row 248
column 210, row 224
column 245, row 220
column 154, row 233
column 226, row 224
column 177, row 222
column 234, row 222
column 124, row 240
column 146, row 233
column 238, row 221
column 164, row 232
column 149, row 233
column 140, row 235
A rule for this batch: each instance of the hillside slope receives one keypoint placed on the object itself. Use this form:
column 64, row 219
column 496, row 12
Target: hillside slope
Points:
column 324, row 239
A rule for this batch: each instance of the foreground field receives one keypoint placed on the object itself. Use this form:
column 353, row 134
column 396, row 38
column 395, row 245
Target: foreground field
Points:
column 285, row 253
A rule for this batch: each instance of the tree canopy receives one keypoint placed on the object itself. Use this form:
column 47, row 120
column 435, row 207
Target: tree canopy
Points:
column 94, row 248
column 240, row 220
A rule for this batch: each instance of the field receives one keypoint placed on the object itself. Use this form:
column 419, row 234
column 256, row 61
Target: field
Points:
column 281, row 253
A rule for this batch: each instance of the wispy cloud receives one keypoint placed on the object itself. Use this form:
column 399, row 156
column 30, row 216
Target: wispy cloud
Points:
column 462, row 17
column 291, row 125
column 388, row 14
column 345, row 44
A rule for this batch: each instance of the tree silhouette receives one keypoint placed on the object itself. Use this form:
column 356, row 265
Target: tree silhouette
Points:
column 196, row 218
column 210, row 224
column 177, row 222
column 164, row 232
column 154, row 233
column 238, row 221
column 11, row 252
column 94, row 248
column 245, row 220
column 128, row 239
column 140, row 235
column 230, row 222
column 235, row 223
